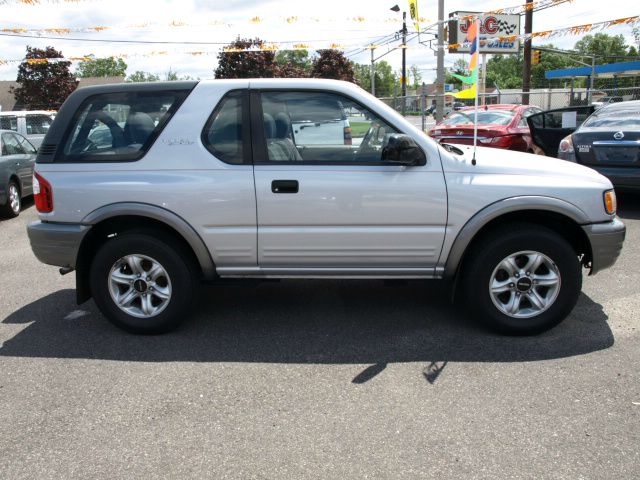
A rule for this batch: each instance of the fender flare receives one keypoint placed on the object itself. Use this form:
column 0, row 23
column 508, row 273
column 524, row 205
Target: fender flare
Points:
column 501, row 207
column 162, row 215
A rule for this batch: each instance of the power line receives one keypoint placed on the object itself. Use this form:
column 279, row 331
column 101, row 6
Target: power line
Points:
column 165, row 42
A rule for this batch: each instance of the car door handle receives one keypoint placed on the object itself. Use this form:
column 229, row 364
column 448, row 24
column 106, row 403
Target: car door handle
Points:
column 284, row 186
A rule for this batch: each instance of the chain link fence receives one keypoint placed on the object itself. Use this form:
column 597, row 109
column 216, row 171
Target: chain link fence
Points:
column 545, row 98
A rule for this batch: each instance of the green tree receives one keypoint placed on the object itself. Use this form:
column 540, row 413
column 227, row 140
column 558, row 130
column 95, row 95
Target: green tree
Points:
column 102, row 67
column 294, row 58
column 460, row 67
column 602, row 45
column 140, row 76
column 385, row 79
column 243, row 64
column 332, row 64
column 416, row 77
column 43, row 84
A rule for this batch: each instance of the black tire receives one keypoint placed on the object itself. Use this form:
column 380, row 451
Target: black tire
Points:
column 482, row 262
column 171, row 256
column 7, row 210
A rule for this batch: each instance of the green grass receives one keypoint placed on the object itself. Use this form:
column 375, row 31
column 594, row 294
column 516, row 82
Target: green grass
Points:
column 358, row 129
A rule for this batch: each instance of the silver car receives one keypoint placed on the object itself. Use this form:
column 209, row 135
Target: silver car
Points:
column 17, row 158
column 193, row 181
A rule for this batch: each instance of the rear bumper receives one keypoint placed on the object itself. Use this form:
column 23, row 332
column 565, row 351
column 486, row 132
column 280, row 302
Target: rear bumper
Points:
column 621, row 177
column 56, row 243
column 606, row 243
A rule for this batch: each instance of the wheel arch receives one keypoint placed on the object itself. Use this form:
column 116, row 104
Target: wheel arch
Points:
column 121, row 217
column 561, row 216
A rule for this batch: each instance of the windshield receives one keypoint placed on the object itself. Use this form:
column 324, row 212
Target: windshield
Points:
column 485, row 117
column 627, row 118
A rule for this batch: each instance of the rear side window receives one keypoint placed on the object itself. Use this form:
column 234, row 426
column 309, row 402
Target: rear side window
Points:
column 38, row 124
column 10, row 145
column 9, row 122
column 113, row 127
column 223, row 133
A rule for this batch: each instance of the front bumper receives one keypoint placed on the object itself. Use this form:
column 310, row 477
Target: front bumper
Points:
column 56, row 243
column 606, row 243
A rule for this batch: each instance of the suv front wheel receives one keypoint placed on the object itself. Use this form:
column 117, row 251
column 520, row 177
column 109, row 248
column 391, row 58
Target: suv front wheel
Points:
column 143, row 282
column 522, row 279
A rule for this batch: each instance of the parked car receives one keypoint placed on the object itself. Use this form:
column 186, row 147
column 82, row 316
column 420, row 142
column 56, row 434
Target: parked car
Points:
column 608, row 140
column 606, row 101
column 17, row 158
column 447, row 109
column 32, row 124
column 213, row 189
column 499, row 126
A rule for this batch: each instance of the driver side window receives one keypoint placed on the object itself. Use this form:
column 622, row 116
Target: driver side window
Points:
column 318, row 127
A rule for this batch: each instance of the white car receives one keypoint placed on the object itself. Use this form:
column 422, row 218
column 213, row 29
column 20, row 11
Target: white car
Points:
column 209, row 180
column 32, row 124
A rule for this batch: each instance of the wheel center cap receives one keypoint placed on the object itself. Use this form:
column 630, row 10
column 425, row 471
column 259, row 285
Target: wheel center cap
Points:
column 524, row 284
column 140, row 286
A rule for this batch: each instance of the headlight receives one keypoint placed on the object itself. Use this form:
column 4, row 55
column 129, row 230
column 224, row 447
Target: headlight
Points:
column 610, row 202
column 565, row 150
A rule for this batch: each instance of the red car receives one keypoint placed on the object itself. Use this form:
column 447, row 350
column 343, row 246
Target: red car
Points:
column 499, row 126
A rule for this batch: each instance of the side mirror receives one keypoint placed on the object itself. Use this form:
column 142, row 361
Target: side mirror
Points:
column 402, row 149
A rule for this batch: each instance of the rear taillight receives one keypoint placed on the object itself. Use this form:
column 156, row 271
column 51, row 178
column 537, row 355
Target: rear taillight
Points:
column 565, row 149
column 347, row 136
column 42, row 194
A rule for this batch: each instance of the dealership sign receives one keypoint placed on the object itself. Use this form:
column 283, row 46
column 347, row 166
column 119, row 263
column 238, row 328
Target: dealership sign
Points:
column 492, row 30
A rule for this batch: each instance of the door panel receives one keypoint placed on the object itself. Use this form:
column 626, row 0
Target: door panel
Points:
column 547, row 129
column 351, row 217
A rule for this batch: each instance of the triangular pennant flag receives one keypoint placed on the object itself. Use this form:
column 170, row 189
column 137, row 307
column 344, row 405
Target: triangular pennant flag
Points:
column 471, row 79
column 468, row 93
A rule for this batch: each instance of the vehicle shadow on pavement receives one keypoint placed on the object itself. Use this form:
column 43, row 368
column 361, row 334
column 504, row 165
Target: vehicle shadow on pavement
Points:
column 628, row 205
column 307, row 321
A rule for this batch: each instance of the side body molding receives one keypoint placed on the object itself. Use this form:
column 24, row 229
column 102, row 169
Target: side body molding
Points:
column 165, row 216
column 499, row 208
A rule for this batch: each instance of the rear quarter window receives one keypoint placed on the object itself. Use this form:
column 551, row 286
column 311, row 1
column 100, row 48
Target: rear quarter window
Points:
column 120, row 126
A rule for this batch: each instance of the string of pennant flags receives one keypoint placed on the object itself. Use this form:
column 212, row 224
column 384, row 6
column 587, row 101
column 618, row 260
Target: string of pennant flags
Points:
column 272, row 47
column 287, row 20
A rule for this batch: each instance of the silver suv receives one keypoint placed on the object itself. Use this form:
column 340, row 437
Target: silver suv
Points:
column 145, row 190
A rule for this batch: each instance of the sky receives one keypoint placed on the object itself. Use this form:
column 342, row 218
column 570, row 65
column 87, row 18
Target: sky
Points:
column 350, row 23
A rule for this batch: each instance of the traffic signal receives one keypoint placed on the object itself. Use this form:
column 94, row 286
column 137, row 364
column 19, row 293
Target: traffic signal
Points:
column 535, row 57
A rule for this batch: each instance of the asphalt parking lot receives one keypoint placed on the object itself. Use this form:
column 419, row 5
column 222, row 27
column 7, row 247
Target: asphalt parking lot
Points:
column 316, row 379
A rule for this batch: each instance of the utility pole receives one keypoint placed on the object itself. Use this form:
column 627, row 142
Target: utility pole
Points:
column 404, row 62
column 373, row 73
column 440, row 63
column 526, row 71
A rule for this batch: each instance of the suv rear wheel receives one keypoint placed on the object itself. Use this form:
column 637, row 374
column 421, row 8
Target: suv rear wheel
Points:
column 143, row 282
column 523, row 279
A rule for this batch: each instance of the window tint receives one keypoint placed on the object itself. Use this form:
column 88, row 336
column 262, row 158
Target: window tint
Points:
column 119, row 126
column 10, row 145
column 38, row 124
column 9, row 122
column 222, row 134
column 321, row 127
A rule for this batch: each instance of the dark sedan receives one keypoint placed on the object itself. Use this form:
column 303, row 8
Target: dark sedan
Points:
column 607, row 141
column 17, row 159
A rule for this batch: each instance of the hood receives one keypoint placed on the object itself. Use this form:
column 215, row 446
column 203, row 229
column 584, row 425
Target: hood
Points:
column 508, row 162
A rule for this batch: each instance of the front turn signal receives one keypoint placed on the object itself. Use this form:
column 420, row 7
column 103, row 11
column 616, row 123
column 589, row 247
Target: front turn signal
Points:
column 610, row 202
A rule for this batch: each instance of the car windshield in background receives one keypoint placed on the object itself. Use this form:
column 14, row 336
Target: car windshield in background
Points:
column 485, row 117
column 624, row 118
